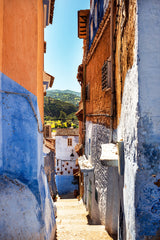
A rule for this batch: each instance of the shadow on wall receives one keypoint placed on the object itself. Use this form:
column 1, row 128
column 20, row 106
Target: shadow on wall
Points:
column 121, row 217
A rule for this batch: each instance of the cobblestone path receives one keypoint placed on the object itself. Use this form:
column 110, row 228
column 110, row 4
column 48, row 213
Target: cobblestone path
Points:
column 72, row 222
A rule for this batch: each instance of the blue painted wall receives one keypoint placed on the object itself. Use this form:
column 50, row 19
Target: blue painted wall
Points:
column 148, row 175
column 19, row 132
column 100, row 14
column 21, row 154
column 65, row 184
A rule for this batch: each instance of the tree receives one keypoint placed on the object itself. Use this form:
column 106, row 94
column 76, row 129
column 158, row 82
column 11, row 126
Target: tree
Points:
column 62, row 116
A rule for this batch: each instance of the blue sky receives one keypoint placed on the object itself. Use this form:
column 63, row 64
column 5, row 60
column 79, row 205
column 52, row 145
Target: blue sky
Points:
column 64, row 48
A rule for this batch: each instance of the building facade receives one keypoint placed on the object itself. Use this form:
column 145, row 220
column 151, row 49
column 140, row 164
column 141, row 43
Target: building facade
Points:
column 118, row 120
column 65, row 158
column 26, row 205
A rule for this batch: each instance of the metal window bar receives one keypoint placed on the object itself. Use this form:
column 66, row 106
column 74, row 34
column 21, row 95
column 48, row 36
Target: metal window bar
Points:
column 106, row 74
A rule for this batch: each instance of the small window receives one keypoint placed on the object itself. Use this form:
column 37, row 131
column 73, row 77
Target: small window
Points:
column 106, row 74
column 87, row 93
column 69, row 141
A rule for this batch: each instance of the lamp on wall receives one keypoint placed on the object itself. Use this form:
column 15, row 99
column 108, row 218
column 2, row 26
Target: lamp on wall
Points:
column 72, row 155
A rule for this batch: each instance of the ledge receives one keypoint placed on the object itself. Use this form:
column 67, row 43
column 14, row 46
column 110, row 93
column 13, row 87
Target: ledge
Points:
column 85, row 165
column 109, row 155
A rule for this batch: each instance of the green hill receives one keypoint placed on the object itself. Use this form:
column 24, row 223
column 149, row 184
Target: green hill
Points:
column 67, row 96
column 53, row 107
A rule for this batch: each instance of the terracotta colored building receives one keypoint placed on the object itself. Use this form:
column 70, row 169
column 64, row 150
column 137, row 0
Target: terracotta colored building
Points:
column 118, row 116
column 24, row 183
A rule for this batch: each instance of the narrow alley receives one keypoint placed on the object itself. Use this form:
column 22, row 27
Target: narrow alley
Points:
column 72, row 222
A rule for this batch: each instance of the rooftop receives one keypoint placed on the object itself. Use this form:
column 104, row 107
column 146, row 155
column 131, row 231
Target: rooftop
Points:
column 67, row 132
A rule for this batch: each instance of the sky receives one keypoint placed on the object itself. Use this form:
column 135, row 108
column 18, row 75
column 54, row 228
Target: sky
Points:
column 64, row 49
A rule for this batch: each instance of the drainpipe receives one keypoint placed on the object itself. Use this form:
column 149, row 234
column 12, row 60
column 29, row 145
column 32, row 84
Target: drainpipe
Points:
column 112, row 70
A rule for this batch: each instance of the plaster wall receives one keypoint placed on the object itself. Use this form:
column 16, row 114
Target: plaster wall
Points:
column 21, row 159
column 40, row 58
column 63, row 151
column 139, row 128
column 65, row 167
column 28, row 219
column 66, row 184
column 20, row 53
column 20, row 141
column 18, row 124
column 21, row 58
column 148, row 176
column 103, row 181
column 127, row 130
column 1, row 32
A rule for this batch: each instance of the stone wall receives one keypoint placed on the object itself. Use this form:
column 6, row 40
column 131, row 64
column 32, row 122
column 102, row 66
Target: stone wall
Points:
column 49, row 167
column 102, row 184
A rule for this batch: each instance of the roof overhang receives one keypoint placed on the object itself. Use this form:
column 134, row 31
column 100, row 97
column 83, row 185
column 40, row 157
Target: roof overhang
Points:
column 48, row 6
column 82, row 23
column 47, row 80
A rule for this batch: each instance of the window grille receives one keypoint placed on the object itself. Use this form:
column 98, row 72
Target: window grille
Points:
column 106, row 74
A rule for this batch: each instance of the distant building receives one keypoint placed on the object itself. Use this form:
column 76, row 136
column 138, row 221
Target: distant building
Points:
column 65, row 158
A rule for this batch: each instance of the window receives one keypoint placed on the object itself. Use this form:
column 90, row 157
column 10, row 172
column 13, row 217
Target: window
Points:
column 69, row 141
column 106, row 74
column 87, row 93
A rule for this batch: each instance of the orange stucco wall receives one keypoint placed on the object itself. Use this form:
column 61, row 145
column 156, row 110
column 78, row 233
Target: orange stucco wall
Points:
column 20, row 43
column 40, row 59
column 94, row 78
column 1, row 31
column 22, row 49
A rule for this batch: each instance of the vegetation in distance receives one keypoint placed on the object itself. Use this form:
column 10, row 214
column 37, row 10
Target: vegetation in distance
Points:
column 60, row 108
column 65, row 96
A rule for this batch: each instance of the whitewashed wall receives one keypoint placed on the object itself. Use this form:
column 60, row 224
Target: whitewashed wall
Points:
column 63, row 151
column 140, row 128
